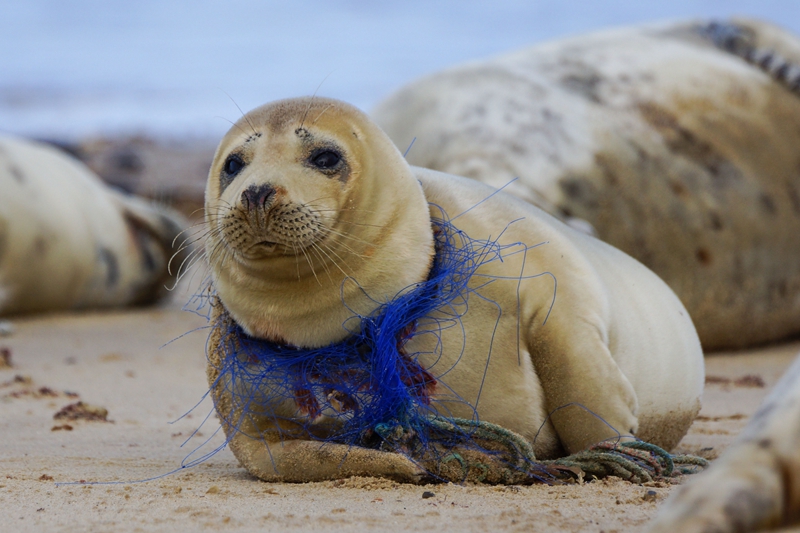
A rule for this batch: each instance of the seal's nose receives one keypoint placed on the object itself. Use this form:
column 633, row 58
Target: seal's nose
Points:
column 257, row 196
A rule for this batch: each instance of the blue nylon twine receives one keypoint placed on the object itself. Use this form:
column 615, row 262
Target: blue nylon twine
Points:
column 367, row 387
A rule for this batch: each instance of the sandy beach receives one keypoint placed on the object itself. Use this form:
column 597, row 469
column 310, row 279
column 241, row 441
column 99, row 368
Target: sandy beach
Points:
column 147, row 369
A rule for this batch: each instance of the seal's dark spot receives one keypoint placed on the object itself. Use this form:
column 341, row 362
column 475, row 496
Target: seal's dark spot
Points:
column 716, row 222
column 111, row 263
column 767, row 204
column 678, row 188
column 169, row 225
column 765, row 443
column 703, row 256
column 153, row 247
column 781, row 288
column 40, row 245
column 148, row 259
column 579, row 190
column 607, row 167
column 232, row 166
column 16, row 173
column 684, row 142
column 585, row 83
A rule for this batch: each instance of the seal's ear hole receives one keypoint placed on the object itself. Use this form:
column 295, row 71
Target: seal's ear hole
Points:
column 325, row 159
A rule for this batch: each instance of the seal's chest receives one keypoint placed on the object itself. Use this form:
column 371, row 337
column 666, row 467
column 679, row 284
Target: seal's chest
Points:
column 415, row 356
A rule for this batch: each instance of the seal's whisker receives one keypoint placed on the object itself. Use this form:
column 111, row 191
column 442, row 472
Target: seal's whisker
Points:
column 321, row 249
column 319, row 253
column 311, row 101
column 199, row 235
column 362, row 224
column 188, row 262
column 205, row 268
column 344, row 235
column 244, row 115
column 234, row 124
column 345, row 247
column 311, row 265
column 351, row 209
column 323, row 112
column 197, row 226
column 329, row 230
column 220, row 245
column 190, row 268
column 296, row 260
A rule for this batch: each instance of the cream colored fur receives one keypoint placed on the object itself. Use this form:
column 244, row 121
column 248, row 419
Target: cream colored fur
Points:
column 679, row 153
column 611, row 342
column 69, row 242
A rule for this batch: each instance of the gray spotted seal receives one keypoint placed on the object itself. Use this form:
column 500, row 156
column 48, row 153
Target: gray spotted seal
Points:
column 677, row 142
column 67, row 241
column 314, row 217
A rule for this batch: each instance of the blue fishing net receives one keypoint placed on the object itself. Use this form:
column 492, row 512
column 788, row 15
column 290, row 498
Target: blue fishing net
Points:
column 371, row 390
column 367, row 390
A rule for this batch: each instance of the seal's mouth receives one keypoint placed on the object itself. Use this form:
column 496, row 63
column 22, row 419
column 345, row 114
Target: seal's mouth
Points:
column 267, row 246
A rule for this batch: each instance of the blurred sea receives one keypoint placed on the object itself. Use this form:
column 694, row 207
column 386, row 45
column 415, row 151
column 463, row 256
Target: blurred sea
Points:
column 175, row 68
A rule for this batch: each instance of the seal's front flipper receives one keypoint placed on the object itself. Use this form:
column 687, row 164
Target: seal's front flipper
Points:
column 589, row 398
column 302, row 461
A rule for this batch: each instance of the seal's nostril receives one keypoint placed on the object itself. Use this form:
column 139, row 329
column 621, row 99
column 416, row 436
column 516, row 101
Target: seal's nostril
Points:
column 257, row 196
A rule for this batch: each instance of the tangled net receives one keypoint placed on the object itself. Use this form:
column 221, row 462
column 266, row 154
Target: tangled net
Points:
column 368, row 391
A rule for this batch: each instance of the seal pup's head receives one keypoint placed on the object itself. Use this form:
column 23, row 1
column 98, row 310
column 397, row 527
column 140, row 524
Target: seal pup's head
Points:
column 313, row 216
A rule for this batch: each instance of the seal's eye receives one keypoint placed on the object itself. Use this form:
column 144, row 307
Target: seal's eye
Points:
column 233, row 165
column 325, row 160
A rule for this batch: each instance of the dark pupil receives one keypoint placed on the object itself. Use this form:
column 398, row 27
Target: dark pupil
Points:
column 326, row 159
column 233, row 165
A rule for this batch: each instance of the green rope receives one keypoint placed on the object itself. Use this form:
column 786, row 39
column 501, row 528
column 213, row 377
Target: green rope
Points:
column 496, row 455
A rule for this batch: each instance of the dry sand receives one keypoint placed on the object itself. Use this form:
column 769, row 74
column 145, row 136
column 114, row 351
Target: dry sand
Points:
column 116, row 360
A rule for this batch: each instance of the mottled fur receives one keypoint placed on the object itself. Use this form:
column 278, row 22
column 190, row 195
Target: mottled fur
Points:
column 67, row 241
column 676, row 143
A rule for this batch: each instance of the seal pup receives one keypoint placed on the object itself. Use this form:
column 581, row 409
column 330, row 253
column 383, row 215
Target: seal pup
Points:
column 314, row 216
column 67, row 241
column 676, row 142
column 755, row 484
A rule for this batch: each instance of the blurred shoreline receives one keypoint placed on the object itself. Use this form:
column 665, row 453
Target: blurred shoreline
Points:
column 186, row 70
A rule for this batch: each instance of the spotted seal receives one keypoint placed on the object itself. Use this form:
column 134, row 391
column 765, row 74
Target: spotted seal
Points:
column 67, row 241
column 676, row 142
